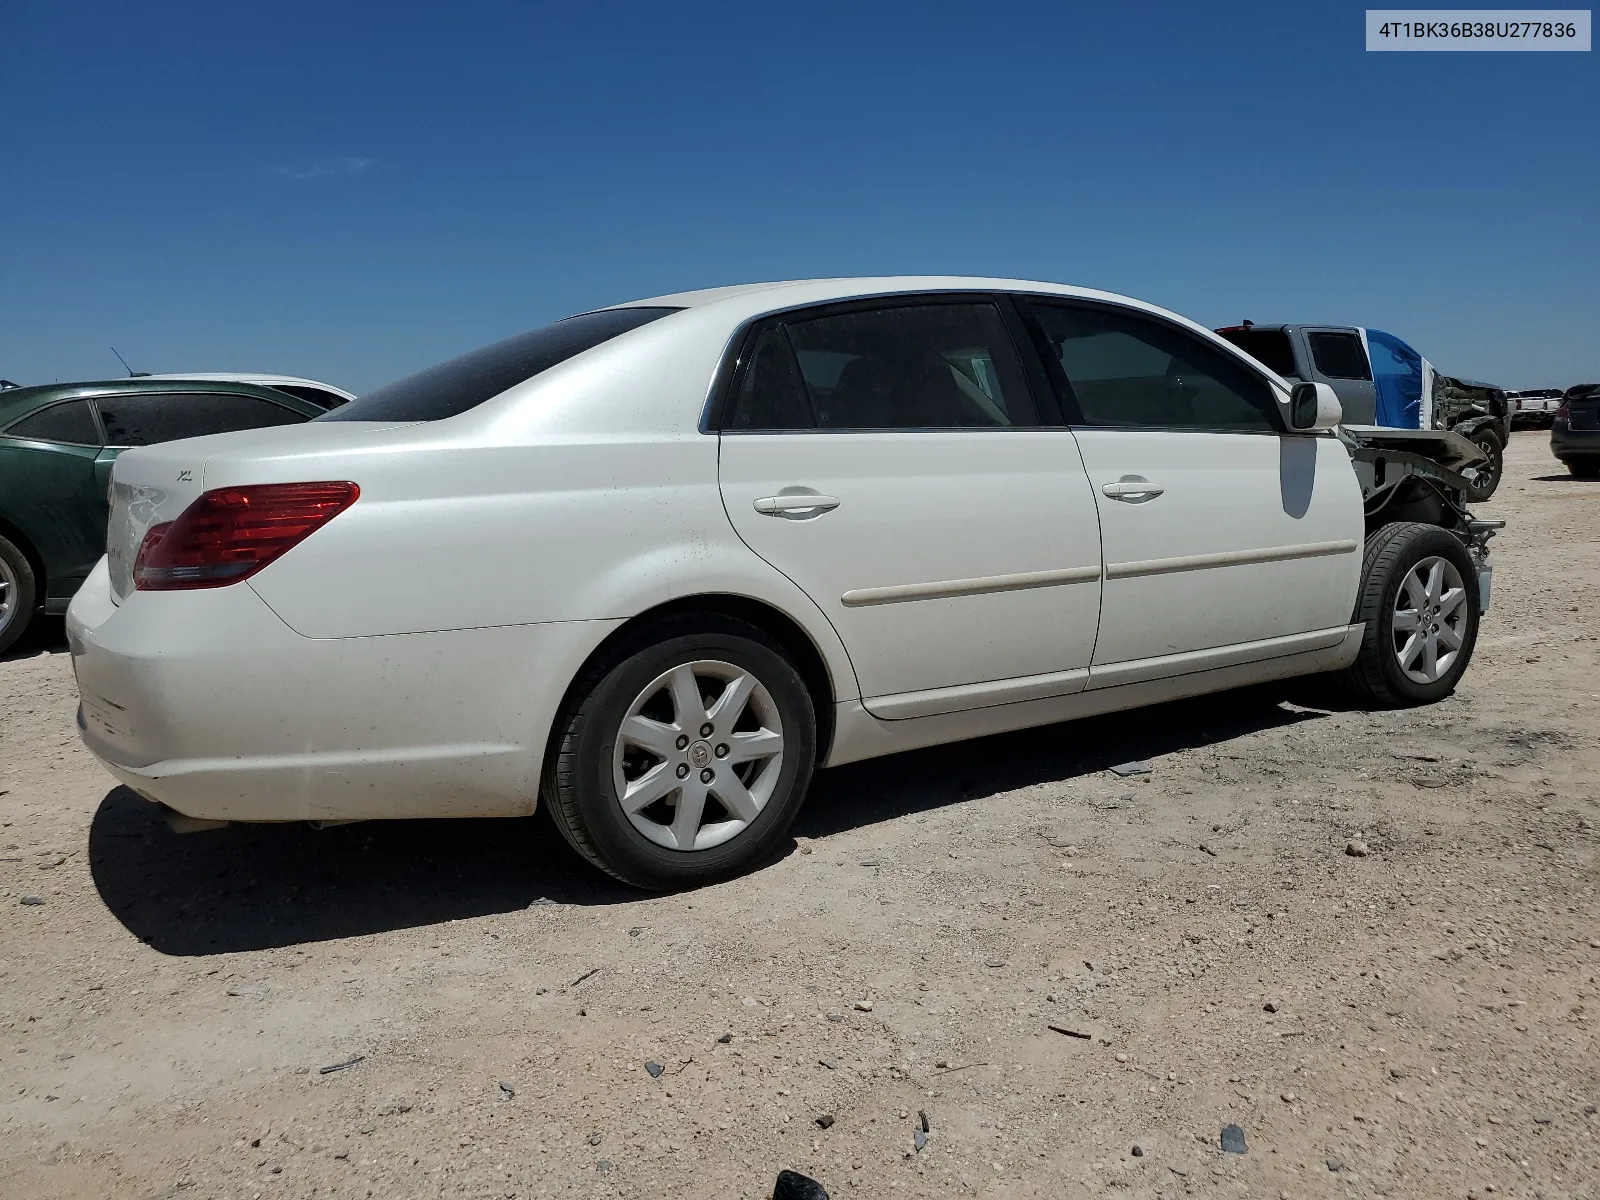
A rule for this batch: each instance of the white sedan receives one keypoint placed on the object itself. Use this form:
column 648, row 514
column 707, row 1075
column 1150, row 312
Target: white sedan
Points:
column 656, row 563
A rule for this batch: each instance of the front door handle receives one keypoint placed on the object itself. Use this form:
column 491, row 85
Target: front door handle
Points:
column 796, row 504
column 1132, row 489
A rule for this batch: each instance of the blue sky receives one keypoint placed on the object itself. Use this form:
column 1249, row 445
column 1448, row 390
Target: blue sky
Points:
column 352, row 192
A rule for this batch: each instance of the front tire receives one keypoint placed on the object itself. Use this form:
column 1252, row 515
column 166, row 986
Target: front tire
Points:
column 1419, row 601
column 18, row 594
column 1488, row 477
column 683, row 757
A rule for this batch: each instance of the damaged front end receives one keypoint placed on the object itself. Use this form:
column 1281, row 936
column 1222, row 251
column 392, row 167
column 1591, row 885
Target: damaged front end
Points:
column 1423, row 475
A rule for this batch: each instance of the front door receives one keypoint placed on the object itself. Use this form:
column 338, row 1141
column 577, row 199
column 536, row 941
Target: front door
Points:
column 889, row 460
column 1225, row 538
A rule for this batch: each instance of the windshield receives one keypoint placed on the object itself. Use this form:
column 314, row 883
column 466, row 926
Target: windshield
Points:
column 467, row 381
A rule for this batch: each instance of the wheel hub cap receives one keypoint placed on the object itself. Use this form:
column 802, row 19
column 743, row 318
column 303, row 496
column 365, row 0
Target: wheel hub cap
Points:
column 8, row 595
column 1430, row 619
column 698, row 755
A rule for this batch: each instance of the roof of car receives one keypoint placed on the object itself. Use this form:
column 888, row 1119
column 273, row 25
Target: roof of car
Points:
column 747, row 300
column 1271, row 327
column 781, row 294
column 262, row 377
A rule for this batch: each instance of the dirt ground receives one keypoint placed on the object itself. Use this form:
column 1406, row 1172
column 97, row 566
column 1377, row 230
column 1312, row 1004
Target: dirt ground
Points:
column 1419, row 1021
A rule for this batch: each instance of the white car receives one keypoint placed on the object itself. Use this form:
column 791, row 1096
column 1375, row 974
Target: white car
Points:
column 655, row 563
column 1537, row 407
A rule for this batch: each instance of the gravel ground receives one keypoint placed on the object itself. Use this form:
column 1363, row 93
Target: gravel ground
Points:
column 1416, row 1021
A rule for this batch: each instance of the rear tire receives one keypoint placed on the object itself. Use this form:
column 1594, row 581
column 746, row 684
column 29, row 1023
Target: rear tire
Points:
column 1418, row 584
column 638, row 787
column 1489, row 478
column 18, row 594
column 1584, row 468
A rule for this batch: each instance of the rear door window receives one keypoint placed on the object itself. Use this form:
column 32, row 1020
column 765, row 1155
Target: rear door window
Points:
column 147, row 418
column 321, row 397
column 916, row 366
column 1339, row 355
column 71, row 424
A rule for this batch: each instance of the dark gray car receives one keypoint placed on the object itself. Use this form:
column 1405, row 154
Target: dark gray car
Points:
column 1575, row 433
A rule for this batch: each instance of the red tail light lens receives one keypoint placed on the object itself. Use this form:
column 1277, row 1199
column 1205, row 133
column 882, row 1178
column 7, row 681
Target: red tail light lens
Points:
column 231, row 533
column 1563, row 413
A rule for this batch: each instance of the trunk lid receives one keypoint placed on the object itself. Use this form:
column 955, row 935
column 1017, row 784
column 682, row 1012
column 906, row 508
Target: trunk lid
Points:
column 151, row 485
column 1583, row 411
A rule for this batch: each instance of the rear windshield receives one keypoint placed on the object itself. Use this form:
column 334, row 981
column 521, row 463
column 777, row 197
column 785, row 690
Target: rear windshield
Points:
column 461, row 383
column 1269, row 347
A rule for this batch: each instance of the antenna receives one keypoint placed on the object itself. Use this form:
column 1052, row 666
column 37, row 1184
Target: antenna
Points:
column 124, row 362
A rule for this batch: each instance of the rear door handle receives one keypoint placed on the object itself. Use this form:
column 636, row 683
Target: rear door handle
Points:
column 796, row 504
column 1132, row 489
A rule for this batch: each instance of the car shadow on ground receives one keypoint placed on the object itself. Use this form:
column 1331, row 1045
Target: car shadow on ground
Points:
column 882, row 789
column 1562, row 478
column 46, row 635
column 253, row 887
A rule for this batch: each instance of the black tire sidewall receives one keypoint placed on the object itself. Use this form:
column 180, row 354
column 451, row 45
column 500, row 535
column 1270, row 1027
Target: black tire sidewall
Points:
column 627, row 853
column 27, row 594
column 1425, row 542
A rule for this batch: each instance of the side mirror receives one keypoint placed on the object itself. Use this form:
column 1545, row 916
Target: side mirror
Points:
column 1314, row 407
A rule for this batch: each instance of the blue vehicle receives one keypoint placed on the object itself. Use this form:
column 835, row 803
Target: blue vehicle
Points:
column 1382, row 382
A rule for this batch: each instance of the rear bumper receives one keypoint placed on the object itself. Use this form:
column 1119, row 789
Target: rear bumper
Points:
column 1567, row 443
column 205, row 701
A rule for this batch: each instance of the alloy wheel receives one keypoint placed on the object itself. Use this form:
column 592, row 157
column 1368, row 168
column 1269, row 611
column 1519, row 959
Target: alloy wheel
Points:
column 1430, row 619
column 698, row 755
column 9, row 589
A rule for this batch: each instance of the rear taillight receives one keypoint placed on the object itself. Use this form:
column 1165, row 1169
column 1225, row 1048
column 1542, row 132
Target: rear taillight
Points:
column 231, row 533
column 1563, row 412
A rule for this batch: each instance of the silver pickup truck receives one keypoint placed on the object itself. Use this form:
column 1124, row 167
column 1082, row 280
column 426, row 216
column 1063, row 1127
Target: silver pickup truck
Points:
column 1381, row 381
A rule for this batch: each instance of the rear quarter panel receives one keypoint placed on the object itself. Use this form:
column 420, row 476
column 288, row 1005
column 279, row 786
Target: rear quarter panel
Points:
column 49, row 494
column 571, row 529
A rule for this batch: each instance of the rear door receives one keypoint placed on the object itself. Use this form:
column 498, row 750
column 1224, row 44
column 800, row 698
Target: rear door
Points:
column 1338, row 358
column 53, row 492
column 890, row 459
column 1225, row 538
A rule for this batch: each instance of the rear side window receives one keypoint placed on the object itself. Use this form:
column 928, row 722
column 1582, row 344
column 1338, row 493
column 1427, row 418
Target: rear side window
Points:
column 71, row 424
column 467, row 381
column 924, row 366
column 151, row 417
column 771, row 394
column 321, row 397
column 1125, row 369
column 1339, row 355
column 1269, row 347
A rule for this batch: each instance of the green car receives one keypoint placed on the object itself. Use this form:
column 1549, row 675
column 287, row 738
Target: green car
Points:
column 57, row 444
